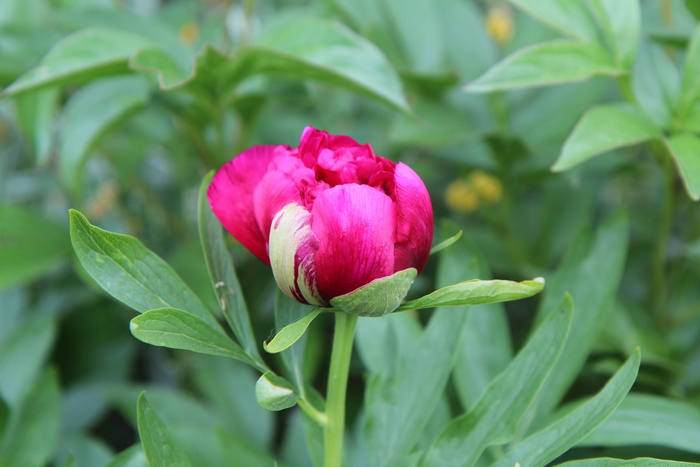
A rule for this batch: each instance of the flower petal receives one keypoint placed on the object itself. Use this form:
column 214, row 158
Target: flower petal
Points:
column 292, row 249
column 355, row 226
column 414, row 233
column 231, row 191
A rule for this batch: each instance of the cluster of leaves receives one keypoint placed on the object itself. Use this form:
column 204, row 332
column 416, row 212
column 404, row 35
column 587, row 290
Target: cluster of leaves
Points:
column 119, row 111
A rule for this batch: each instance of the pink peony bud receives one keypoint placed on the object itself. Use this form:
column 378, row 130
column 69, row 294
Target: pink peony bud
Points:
column 329, row 216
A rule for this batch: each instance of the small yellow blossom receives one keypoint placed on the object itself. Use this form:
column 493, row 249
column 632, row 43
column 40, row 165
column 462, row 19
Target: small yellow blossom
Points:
column 189, row 33
column 487, row 186
column 461, row 197
column 499, row 24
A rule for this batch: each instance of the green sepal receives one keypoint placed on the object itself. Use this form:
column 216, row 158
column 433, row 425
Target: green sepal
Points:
column 476, row 292
column 379, row 297
column 291, row 333
column 274, row 392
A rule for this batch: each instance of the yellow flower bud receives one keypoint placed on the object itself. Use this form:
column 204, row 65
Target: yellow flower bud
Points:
column 499, row 24
column 189, row 33
column 461, row 197
column 488, row 187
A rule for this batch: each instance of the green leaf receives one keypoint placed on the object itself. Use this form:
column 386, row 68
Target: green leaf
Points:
column 603, row 129
column 379, row 297
column 36, row 114
column 157, row 61
column 22, row 356
column 274, row 392
column 685, row 149
column 291, row 333
column 591, row 273
column 496, row 416
column 638, row 462
column 131, row 273
column 30, row 244
column 224, row 279
column 656, row 83
column 131, row 457
column 445, row 243
column 33, row 427
column 554, row 440
column 90, row 113
column 476, row 292
column 81, row 56
column 621, row 23
column 177, row 329
column 158, row 444
column 567, row 17
column 643, row 419
column 691, row 70
column 554, row 62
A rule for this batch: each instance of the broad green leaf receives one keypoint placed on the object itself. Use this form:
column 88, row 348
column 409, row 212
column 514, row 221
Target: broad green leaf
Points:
column 567, row 17
column 158, row 444
column 274, row 392
column 22, row 355
column 638, row 462
column 656, row 83
column 29, row 244
column 644, row 419
column 79, row 57
column 291, row 333
column 33, row 428
column 408, row 370
column 36, row 114
column 691, row 70
column 557, row 438
column 476, row 292
column 621, row 23
column 157, row 61
column 685, row 149
column 131, row 273
column 435, row 125
column 496, row 416
column 603, row 129
column 177, row 329
column 90, row 113
column 379, row 297
column 131, row 457
column 554, row 62
column 237, row 450
column 224, row 279
column 591, row 273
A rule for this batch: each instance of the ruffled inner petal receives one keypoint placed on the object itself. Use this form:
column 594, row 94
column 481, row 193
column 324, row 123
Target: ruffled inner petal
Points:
column 231, row 191
column 414, row 233
column 355, row 225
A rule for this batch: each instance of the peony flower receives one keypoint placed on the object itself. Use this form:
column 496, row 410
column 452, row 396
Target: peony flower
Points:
column 329, row 216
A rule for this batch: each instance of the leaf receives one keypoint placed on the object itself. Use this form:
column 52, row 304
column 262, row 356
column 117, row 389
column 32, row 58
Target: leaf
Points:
column 591, row 273
column 567, row 17
column 224, row 279
column 157, row 61
column 643, row 419
column 554, row 440
column 131, row 457
column 291, row 333
column 177, row 329
column 158, row 444
column 685, row 149
column 90, row 113
column 691, row 70
column 129, row 272
column 638, row 462
column 36, row 115
column 554, row 62
column 476, row 292
column 274, row 392
column 79, row 57
column 621, row 23
column 603, row 129
column 379, row 297
column 496, row 416
column 33, row 429
column 30, row 244
column 22, row 356
column 445, row 243
column 656, row 83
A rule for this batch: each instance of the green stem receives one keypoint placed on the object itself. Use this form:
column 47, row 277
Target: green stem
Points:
column 659, row 285
column 337, row 388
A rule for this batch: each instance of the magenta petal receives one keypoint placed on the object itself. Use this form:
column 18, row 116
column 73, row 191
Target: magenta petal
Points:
column 231, row 191
column 355, row 227
column 414, row 234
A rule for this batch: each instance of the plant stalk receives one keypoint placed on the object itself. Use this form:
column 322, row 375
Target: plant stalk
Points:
column 341, row 352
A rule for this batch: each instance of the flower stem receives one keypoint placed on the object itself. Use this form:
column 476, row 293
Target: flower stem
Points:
column 337, row 388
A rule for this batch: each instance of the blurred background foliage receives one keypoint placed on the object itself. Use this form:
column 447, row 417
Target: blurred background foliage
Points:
column 119, row 107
